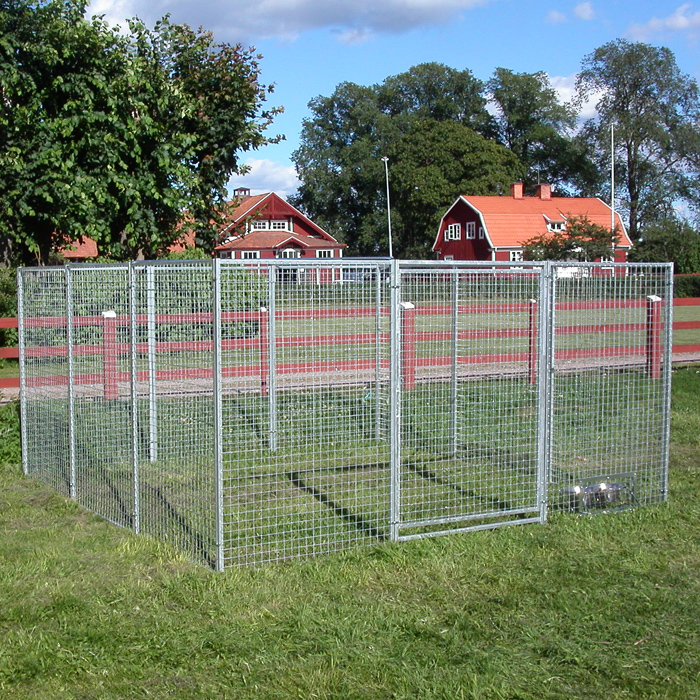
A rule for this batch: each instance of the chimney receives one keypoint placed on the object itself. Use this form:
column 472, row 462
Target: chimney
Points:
column 241, row 193
column 516, row 190
column 544, row 192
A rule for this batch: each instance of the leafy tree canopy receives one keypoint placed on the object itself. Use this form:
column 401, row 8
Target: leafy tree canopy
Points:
column 114, row 136
column 430, row 122
column 671, row 240
column 582, row 241
column 539, row 130
column 655, row 110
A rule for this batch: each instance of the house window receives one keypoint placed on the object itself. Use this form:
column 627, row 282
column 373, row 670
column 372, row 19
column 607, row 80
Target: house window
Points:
column 453, row 232
column 470, row 228
column 226, row 255
column 324, row 253
column 556, row 226
column 481, row 233
column 515, row 255
column 250, row 254
column 289, row 253
column 270, row 225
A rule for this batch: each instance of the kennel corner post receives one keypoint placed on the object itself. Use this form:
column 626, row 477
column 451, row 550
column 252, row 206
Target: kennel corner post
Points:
column 544, row 381
column 133, row 370
column 70, row 342
column 395, row 402
column 218, row 414
column 152, row 363
column 22, row 371
column 666, row 377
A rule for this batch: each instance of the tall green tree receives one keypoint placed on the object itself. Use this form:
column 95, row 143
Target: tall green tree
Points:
column 539, row 130
column 115, row 136
column 582, row 241
column 424, row 121
column 671, row 240
column 655, row 110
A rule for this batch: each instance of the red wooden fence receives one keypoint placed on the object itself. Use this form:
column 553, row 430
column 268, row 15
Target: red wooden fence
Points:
column 110, row 349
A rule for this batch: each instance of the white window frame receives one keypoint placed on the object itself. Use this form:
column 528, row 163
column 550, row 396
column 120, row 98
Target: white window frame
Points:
column 270, row 225
column 324, row 253
column 250, row 255
column 482, row 235
column 453, row 232
column 289, row 253
column 470, row 230
column 515, row 255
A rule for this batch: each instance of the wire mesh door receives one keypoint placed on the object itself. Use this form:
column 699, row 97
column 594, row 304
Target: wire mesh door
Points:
column 471, row 438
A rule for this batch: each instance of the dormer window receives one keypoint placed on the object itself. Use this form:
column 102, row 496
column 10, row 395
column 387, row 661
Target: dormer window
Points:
column 555, row 225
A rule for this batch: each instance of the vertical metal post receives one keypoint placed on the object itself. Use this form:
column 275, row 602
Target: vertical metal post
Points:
column 545, row 383
column 666, row 378
column 22, row 372
column 133, row 340
column 454, row 350
column 395, row 405
column 377, row 352
column 218, row 412
column 272, row 359
column 152, row 365
column 70, row 341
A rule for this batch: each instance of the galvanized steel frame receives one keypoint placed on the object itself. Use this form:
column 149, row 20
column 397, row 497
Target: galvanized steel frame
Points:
column 391, row 272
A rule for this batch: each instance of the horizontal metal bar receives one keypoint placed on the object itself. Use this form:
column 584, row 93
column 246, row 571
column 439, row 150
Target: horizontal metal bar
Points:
column 471, row 528
column 464, row 518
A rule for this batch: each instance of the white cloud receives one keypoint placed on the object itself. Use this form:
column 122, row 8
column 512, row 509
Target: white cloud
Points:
column 267, row 176
column 243, row 20
column 556, row 17
column 584, row 11
column 682, row 21
column 565, row 87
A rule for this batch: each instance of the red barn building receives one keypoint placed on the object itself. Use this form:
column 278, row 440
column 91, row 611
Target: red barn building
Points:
column 266, row 226
column 495, row 228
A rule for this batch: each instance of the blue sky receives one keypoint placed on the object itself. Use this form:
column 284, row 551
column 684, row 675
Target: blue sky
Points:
column 310, row 46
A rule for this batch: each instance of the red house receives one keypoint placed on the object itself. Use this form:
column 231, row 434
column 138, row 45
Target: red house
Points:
column 266, row 226
column 495, row 228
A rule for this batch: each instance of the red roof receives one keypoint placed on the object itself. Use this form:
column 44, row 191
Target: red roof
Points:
column 271, row 206
column 268, row 206
column 271, row 240
column 509, row 221
column 80, row 250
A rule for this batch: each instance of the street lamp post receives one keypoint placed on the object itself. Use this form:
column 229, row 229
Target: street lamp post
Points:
column 385, row 160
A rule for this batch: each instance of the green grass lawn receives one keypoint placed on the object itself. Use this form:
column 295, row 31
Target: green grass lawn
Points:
column 584, row 607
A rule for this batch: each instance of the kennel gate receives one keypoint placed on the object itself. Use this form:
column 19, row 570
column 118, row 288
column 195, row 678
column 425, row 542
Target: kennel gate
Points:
column 254, row 412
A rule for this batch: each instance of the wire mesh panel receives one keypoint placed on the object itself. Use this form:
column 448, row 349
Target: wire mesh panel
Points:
column 304, row 408
column 44, row 375
column 469, row 412
column 174, row 395
column 99, row 382
column 254, row 412
column 610, row 386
